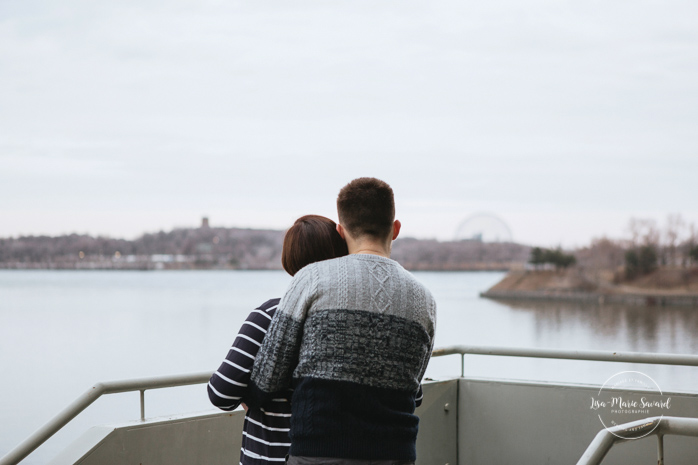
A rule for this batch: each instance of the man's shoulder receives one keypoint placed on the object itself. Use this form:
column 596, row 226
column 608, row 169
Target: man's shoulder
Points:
column 355, row 264
column 364, row 260
column 370, row 272
column 360, row 264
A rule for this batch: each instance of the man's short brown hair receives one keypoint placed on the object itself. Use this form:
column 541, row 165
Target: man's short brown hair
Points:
column 366, row 207
column 312, row 238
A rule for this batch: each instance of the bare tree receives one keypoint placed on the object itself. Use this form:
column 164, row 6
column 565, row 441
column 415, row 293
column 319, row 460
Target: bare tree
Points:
column 643, row 231
column 674, row 226
column 689, row 245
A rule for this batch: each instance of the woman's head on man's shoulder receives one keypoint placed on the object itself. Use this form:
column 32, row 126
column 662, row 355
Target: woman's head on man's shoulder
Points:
column 312, row 238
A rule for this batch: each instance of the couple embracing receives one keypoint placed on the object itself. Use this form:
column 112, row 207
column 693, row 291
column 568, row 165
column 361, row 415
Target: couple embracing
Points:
column 333, row 368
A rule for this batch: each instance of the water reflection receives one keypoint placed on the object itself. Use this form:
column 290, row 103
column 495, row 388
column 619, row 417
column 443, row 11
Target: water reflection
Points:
column 635, row 328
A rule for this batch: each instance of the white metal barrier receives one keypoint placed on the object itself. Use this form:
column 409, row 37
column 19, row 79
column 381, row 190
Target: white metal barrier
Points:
column 95, row 392
column 99, row 389
column 659, row 426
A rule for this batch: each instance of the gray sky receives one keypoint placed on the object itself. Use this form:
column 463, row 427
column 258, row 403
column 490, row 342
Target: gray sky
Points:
column 565, row 119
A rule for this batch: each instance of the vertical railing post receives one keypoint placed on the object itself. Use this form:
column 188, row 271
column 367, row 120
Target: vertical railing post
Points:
column 142, row 404
column 462, row 365
column 660, row 449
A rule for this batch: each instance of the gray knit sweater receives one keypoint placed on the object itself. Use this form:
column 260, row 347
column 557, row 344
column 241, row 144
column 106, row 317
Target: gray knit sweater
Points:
column 353, row 335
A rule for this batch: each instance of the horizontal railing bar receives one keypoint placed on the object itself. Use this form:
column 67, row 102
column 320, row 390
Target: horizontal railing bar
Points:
column 568, row 354
column 85, row 400
column 114, row 387
column 661, row 426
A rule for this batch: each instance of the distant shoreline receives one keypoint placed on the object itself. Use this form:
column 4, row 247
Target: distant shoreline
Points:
column 212, row 248
column 38, row 267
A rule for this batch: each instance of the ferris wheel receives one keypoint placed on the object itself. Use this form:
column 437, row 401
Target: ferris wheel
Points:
column 484, row 227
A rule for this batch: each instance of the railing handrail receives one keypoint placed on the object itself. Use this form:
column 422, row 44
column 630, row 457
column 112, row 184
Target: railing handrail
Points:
column 30, row 444
column 659, row 426
column 568, row 354
column 112, row 387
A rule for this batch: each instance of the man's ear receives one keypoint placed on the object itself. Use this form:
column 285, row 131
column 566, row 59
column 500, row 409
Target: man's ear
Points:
column 396, row 228
column 340, row 230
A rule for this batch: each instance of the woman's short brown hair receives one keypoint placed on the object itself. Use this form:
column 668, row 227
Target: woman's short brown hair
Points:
column 312, row 238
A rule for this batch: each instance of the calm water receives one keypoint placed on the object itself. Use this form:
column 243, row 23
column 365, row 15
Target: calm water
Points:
column 63, row 331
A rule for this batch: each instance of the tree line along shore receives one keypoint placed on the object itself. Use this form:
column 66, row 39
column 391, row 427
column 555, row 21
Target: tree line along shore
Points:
column 214, row 248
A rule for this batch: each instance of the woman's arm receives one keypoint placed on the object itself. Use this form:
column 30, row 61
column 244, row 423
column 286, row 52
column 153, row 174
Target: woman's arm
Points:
column 278, row 356
column 228, row 385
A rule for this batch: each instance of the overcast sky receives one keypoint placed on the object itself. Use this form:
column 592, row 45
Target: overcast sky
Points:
column 565, row 119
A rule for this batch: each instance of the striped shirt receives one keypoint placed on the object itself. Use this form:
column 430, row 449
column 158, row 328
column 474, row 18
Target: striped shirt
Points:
column 265, row 431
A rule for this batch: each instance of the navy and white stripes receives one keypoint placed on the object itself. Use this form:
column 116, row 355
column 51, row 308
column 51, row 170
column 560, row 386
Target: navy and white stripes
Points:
column 265, row 432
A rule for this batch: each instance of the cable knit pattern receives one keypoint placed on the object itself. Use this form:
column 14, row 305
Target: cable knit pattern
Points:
column 354, row 336
column 379, row 280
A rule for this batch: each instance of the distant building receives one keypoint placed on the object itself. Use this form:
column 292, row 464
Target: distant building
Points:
column 204, row 222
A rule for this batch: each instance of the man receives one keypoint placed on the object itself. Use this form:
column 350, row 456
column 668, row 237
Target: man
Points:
column 353, row 336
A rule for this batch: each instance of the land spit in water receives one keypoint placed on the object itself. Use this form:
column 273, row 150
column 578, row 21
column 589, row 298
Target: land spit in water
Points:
column 663, row 287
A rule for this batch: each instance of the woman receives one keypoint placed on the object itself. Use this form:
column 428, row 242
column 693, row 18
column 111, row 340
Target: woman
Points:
column 265, row 432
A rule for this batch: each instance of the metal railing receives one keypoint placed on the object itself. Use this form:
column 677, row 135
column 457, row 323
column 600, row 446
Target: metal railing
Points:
column 30, row 444
column 588, row 355
column 99, row 389
column 659, row 426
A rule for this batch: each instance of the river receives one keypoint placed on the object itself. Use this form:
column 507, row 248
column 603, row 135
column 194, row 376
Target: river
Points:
column 63, row 331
